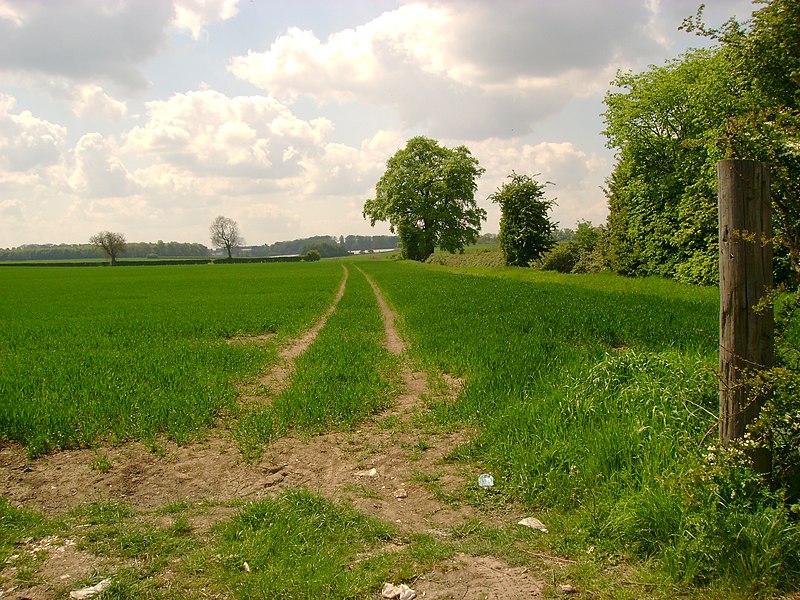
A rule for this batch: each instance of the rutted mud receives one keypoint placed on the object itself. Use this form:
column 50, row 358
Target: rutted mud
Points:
column 388, row 468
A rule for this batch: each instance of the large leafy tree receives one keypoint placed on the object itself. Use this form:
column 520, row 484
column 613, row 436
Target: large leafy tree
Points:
column 662, row 192
column 427, row 194
column 526, row 231
column 765, row 59
column 671, row 124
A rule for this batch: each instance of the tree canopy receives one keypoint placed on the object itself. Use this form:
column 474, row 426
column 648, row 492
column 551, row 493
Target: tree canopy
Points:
column 526, row 231
column 427, row 195
column 662, row 192
column 671, row 124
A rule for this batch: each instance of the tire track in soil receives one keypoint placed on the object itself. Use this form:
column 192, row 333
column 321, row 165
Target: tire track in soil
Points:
column 279, row 375
column 337, row 465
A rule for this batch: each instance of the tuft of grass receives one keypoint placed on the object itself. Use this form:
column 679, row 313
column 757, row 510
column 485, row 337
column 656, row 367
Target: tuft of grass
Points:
column 19, row 524
column 101, row 513
column 426, row 477
column 417, row 449
column 100, row 463
column 301, row 546
column 136, row 550
column 362, row 491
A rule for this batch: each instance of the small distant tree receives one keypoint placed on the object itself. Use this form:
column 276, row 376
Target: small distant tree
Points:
column 225, row 234
column 113, row 244
column 311, row 255
column 428, row 196
column 526, row 231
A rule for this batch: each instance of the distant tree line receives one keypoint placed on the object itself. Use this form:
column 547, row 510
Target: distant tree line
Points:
column 327, row 246
column 564, row 235
column 158, row 249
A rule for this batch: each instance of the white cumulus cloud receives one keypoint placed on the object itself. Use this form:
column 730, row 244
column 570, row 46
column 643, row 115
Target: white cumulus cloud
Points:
column 99, row 173
column 210, row 133
column 194, row 15
column 26, row 141
column 9, row 13
column 83, row 39
column 576, row 177
column 466, row 69
column 11, row 209
column 91, row 100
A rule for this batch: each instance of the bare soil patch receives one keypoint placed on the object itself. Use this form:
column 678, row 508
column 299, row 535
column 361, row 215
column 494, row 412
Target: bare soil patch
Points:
column 388, row 468
column 479, row 578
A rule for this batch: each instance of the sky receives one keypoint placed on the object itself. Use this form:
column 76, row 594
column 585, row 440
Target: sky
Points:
column 152, row 117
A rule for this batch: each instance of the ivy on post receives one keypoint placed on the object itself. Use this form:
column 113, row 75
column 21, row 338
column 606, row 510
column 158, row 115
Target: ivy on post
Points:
column 745, row 276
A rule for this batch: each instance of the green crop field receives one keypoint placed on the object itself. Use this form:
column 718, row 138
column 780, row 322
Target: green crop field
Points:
column 591, row 399
column 88, row 354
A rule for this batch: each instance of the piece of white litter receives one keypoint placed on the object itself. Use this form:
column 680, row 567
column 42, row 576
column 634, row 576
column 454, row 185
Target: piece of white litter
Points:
column 533, row 524
column 373, row 472
column 88, row 592
column 397, row 592
column 246, row 567
column 486, row 481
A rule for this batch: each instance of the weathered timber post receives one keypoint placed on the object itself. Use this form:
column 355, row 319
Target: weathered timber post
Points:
column 745, row 274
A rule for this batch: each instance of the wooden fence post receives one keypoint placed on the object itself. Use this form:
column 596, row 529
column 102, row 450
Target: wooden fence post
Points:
column 745, row 274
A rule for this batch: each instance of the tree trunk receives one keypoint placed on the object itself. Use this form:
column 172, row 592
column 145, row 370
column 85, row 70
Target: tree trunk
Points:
column 745, row 270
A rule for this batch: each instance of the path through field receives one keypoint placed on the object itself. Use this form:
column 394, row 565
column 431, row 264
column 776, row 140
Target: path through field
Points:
column 380, row 469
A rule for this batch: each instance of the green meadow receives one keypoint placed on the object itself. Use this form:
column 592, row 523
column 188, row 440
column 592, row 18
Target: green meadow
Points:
column 592, row 384
column 593, row 400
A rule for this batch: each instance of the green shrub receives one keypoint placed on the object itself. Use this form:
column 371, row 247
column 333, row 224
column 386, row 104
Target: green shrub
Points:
column 777, row 429
column 311, row 255
column 562, row 258
column 732, row 526
column 583, row 254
